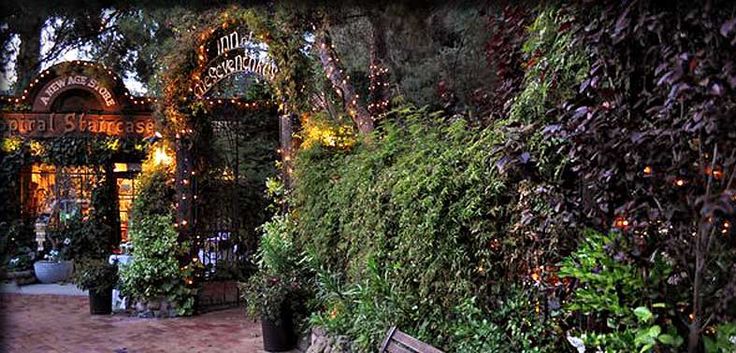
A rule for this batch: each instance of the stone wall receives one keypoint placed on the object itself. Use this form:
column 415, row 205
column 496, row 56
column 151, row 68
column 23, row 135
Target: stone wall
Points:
column 321, row 342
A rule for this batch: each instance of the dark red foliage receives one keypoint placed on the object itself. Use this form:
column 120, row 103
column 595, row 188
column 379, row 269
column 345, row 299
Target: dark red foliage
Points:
column 653, row 135
column 503, row 52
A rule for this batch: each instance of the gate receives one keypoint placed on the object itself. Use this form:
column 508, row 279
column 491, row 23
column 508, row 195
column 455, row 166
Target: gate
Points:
column 242, row 154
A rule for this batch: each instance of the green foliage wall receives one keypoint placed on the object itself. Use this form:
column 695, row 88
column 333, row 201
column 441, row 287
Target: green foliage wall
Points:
column 402, row 231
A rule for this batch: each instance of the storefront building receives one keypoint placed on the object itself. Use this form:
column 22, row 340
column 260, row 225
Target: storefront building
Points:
column 77, row 118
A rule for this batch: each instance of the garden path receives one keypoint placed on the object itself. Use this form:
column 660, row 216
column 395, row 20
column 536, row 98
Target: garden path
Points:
column 56, row 323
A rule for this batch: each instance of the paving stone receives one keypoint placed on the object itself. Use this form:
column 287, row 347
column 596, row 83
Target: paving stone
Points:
column 55, row 323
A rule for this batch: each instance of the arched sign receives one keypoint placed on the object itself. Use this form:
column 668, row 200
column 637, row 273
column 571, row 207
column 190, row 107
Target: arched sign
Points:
column 235, row 53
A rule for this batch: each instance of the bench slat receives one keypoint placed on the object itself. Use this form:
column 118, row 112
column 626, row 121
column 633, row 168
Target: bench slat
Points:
column 394, row 347
column 389, row 335
column 414, row 343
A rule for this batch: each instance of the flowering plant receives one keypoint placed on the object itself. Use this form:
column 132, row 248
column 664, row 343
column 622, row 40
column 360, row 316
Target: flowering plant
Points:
column 126, row 248
column 23, row 260
column 59, row 250
column 61, row 238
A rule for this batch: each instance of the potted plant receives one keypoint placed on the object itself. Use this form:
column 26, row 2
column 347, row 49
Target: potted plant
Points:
column 98, row 278
column 274, row 294
column 55, row 267
column 62, row 233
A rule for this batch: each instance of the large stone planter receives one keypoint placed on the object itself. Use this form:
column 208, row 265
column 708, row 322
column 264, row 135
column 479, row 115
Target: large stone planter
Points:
column 52, row 272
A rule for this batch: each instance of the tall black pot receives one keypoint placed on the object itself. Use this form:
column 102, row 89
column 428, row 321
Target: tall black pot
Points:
column 100, row 301
column 279, row 336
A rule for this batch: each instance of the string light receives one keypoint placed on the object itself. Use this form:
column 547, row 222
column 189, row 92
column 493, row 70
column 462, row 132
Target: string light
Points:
column 621, row 222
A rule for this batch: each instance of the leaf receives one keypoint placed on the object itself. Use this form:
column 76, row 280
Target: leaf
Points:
column 643, row 314
column 655, row 330
column 646, row 347
column 667, row 339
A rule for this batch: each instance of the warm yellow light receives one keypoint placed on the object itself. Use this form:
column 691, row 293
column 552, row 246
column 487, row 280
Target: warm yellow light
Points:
column 120, row 167
column 160, row 157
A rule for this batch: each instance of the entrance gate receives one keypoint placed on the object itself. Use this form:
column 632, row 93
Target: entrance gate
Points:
column 243, row 152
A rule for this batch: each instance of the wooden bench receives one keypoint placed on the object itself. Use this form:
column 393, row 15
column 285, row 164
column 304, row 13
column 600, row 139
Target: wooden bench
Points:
column 399, row 342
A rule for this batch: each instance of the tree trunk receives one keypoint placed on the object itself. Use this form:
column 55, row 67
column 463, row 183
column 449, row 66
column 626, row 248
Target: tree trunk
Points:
column 378, row 99
column 28, row 62
column 287, row 149
column 694, row 334
column 351, row 101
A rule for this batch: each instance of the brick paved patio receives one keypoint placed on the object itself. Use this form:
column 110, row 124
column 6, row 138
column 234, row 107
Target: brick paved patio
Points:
column 52, row 323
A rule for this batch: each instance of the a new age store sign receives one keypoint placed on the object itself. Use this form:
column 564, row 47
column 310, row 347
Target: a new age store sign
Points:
column 76, row 81
column 75, row 124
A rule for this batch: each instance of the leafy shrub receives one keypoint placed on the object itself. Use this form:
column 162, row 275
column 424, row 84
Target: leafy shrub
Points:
column 724, row 340
column 514, row 324
column 653, row 144
column 277, row 286
column 155, row 270
column 17, row 244
column 95, row 275
column 615, row 295
column 154, row 196
column 89, row 238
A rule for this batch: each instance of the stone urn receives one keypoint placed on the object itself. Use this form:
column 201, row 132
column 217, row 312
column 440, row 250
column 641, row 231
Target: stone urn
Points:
column 53, row 271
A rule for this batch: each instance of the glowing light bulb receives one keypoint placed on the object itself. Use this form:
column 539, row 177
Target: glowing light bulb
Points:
column 160, row 157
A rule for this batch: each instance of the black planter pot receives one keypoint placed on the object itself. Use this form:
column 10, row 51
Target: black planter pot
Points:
column 100, row 301
column 279, row 336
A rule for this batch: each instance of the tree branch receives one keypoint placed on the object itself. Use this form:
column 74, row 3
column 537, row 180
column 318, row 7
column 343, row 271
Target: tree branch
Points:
column 340, row 81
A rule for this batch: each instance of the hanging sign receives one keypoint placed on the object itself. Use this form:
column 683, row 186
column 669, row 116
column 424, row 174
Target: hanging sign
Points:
column 233, row 56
